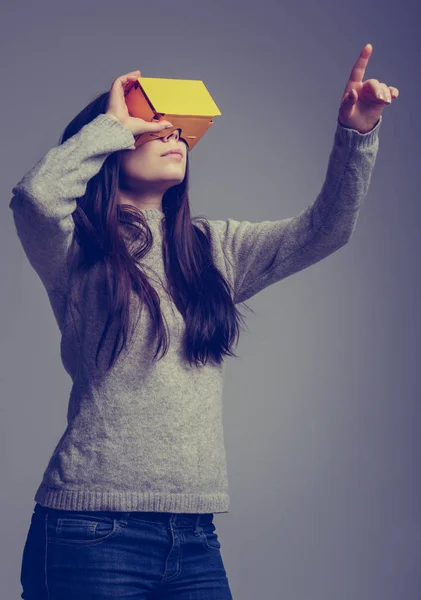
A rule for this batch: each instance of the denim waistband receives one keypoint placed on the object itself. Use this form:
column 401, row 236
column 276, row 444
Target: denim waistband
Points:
column 180, row 519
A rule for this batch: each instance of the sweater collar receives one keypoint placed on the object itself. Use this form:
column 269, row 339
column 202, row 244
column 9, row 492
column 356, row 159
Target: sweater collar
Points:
column 152, row 213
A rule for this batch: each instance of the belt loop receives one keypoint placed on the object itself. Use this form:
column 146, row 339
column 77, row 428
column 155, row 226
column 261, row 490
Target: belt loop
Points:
column 197, row 525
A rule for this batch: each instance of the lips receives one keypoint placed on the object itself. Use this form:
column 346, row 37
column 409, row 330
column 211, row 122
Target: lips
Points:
column 172, row 152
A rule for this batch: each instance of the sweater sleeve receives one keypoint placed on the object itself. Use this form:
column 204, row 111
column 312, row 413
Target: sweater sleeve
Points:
column 259, row 254
column 44, row 199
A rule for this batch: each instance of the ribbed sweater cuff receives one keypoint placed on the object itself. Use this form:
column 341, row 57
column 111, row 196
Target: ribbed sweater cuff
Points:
column 352, row 137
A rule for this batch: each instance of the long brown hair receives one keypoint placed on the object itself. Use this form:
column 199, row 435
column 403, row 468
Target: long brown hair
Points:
column 197, row 287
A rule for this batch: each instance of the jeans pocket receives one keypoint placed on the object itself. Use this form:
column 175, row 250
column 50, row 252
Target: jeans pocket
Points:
column 82, row 529
column 209, row 538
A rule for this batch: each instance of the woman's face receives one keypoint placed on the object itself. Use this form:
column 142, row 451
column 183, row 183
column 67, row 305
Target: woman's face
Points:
column 145, row 168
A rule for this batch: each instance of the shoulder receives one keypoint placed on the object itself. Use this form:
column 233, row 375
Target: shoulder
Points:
column 215, row 228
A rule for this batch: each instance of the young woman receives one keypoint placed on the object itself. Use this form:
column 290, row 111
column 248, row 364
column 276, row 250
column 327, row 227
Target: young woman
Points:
column 125, row 507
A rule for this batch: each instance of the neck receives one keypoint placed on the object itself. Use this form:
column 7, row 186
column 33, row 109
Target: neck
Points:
column 141, row 200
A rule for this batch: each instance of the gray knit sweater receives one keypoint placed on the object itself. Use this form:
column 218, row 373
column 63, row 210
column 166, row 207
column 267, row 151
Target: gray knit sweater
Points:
column 149, row 436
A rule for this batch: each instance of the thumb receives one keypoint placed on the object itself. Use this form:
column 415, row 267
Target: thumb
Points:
column 350, row 98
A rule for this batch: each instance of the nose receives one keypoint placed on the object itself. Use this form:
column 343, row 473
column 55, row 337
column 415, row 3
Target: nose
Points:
column 174, row 134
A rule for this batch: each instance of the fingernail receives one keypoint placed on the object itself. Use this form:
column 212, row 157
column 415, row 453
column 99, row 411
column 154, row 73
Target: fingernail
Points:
column 168, row 126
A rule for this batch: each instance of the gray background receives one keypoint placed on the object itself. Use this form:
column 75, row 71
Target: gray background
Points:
column 321, row 412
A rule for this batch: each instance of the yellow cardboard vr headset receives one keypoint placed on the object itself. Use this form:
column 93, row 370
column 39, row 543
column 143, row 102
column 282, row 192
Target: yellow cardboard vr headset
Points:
column 186, row 103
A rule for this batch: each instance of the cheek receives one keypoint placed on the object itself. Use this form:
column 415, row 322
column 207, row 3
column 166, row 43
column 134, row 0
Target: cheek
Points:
column 138, row 163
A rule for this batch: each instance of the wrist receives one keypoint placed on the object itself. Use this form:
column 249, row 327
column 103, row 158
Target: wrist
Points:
column 112, row 116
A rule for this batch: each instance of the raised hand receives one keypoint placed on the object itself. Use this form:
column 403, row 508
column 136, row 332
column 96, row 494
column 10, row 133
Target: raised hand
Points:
column 117, row 107
column 363, row 101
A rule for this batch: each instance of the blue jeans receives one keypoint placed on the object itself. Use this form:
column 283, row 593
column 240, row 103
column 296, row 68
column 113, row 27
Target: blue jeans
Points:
column 96, row 555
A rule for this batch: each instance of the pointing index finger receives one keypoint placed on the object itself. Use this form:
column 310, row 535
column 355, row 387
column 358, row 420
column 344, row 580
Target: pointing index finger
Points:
column 358, row 70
